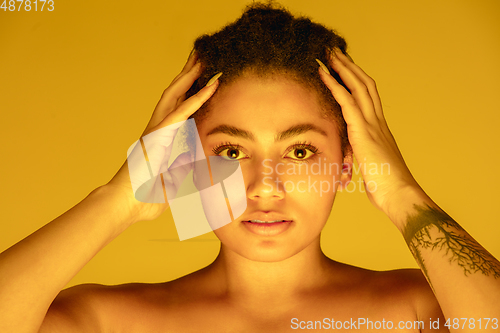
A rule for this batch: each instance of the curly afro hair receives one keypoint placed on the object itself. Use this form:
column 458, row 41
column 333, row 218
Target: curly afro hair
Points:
column 267, row 40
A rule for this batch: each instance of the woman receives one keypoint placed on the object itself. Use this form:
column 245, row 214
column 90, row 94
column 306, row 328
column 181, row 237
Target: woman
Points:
column 264, row 111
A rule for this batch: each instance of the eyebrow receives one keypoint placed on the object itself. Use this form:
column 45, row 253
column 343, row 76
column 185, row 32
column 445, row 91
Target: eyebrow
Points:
column 293, row 131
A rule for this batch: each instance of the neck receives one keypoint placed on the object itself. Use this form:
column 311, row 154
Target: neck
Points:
column 271, row 282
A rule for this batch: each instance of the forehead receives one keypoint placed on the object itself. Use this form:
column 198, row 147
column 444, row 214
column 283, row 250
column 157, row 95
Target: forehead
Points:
column 265, row 105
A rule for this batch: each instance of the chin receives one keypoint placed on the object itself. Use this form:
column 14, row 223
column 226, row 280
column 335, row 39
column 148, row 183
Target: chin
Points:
column 264, row 250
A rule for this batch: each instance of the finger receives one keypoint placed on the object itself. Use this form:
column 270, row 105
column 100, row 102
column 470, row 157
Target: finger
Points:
column 358, row 88
column 366, row 79
column 372, row 88
column 178, row 89
column 164, row 106
column 350, row 109
column 192, row 104
column 348, row 56
column 193, row 57
column 170, row 96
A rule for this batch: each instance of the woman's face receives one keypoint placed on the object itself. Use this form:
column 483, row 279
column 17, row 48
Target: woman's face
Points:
column 292, row 176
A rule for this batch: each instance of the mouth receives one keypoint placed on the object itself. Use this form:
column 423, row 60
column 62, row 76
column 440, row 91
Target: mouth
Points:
column 268, row 228
column 259, row 221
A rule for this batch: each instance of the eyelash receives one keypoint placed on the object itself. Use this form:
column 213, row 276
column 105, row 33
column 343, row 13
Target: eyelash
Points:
column 298, row 145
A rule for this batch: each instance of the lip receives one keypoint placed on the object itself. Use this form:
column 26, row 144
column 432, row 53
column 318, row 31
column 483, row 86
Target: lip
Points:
column 267, row 216
column 267, row 229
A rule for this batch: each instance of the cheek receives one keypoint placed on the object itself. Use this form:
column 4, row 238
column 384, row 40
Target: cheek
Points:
column 312, row 194
column 317, row 180
column 311, row 198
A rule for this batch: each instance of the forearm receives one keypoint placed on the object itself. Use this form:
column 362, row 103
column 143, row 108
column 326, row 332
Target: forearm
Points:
column 464, row 276
column 33, row 271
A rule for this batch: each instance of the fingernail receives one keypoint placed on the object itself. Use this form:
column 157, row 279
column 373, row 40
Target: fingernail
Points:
column 323, row 67
column 333, row 54
column 337, row 51
column 197, row 64
column 348, row 56
column 213, row 79
column 193, row 55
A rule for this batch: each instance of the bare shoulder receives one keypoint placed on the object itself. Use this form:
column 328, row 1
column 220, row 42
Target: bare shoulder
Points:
column 406, row 288
column 98, row 308
column 415, row 287
column 411, row 284
column 131, row 307
column 399, row 281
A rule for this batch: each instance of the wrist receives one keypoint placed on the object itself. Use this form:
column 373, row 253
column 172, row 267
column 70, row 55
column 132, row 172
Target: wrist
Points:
column 404, row 203
column 119, row 203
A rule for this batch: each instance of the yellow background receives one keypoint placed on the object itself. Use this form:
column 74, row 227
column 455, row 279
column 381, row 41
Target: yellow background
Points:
column 78, row 86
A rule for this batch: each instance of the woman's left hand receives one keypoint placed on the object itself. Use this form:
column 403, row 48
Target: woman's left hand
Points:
column 385, row 174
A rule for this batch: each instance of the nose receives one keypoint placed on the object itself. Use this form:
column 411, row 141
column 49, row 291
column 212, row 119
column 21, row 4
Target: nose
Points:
column 263, row 181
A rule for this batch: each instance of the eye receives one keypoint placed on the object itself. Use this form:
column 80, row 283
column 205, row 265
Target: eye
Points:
column 302, row 151
column 228, row 151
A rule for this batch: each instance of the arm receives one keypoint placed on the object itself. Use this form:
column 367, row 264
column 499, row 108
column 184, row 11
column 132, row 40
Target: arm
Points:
column 465, row 278
column 33, row 271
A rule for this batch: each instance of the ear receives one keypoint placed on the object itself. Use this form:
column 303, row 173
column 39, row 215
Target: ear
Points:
column 346, row 175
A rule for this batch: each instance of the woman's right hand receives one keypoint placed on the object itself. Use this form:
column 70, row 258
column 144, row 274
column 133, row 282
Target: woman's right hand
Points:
column 51, row 256
column 171, row 109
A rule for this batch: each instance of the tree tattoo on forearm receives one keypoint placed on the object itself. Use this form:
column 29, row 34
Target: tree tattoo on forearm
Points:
column 452, row 239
